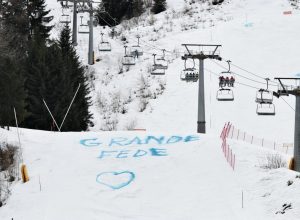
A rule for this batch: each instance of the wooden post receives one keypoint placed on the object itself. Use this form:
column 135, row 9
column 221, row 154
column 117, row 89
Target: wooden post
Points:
column 24, row 173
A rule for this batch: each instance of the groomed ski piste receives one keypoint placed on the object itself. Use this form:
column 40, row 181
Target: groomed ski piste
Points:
column 166, row 170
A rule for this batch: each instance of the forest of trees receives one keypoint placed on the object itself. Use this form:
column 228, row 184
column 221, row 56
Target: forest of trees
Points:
column 112, row 12
column 35, row 68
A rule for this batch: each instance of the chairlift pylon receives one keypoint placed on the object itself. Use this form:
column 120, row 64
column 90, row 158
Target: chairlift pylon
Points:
column 189, row 74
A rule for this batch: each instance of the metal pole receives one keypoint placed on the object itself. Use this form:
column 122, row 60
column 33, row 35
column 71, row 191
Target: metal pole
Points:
column 201, row 100
column 51, row 115
column 69, row 107
column 297, row 136
column 16, row 119
column 74, row 34
column 91, row 38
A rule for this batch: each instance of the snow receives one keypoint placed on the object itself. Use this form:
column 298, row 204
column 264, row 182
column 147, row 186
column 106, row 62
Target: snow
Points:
column 116, row 175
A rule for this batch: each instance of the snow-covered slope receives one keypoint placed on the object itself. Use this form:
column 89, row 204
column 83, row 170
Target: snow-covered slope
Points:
column 265, row 47
column 190, row 179
column 137, row 175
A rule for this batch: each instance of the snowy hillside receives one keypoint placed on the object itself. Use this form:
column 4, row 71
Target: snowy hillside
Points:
column 167, row 171
column 265, row 47
column 137, row 175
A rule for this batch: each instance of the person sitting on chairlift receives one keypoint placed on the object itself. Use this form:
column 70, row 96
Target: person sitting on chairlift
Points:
column 227, row 81
column 232, row 80
column 221, row 81
column 136, row 54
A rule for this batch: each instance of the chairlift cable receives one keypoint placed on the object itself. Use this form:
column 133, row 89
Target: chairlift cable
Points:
column 157, row 48
column 287, row 103
column 242, row 75
column 251, row 72
column 235, row 82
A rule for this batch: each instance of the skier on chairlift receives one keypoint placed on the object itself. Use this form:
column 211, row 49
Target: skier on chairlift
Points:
column 136, row 54
column 232, row 80
column 221, row 81
column 227, row 81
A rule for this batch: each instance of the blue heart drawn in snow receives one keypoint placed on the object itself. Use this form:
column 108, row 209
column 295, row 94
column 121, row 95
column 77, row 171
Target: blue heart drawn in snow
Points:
column 131, row 177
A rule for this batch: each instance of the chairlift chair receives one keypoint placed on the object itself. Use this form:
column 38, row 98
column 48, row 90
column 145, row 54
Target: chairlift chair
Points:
column 83, row 29
column 162, row 63
column 225, row 94
column 136, row 50
column 264, row 96
column 104, row 45
column 226, row 78
column 264, row 99
column 65, row 19
column 128, row 60
column 157, row 68
column 155, row 71
column 67, row 4
column 265, row 109
column 189, row 74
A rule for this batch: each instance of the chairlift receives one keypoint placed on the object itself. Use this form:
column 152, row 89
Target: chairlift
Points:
column 225, row 94
column 83, row 28
column 128, row 60
column 264, row 99
column 104, row 45
column 67, row 4
column 265, row 109
column 158, row 68
column 65, row 19
column 158, row 71
column 264, row 96
column 189, row 74
column 162, row 62
column 226, row 78
column 136, row 50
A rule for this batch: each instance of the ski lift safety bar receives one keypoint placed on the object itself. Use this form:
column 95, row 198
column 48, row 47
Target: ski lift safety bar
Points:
column 202, row 56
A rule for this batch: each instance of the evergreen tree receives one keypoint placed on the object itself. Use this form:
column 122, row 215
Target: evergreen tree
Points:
column 14, row 29
column 79, row 117
column 13, row 46
column 12, row 94
column 134, row 8
column 112, row 12
column 39, row 30
column 159, row 6
column 45, row 81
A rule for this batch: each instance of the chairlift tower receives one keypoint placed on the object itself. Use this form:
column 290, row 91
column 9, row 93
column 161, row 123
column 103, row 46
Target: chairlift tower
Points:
column 201, row 55
column 286, row 90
